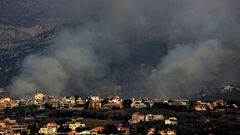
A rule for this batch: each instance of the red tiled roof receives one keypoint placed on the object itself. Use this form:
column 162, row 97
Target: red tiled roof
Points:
column 220, row 101
column 116, row 97
column 136, row 113
column 98, row 128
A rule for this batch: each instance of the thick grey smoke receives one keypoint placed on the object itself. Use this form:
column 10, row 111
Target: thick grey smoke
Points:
column 187, row 68
column 201, row 38
column 71, row 58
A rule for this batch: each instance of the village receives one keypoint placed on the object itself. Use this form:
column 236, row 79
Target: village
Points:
column 95, row 115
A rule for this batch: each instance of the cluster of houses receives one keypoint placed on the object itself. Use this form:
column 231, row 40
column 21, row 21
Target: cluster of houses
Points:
column 95, row 102
column 10, row 126
column 7, row 102
column 152, row 131
column 138, row 117
column 42, row 101
column 218, row 105
column 77, row 128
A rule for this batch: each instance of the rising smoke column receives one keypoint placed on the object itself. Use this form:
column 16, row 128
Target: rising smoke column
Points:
column 186, row 69
column 203, row 49
column 70, row 57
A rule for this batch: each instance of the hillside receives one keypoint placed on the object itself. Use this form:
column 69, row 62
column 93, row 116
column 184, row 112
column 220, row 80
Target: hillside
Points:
column 16, row 44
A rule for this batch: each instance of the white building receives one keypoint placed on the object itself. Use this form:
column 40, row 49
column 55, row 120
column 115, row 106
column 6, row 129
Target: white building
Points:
column 171, row 121
column 49, row 129
column 151, row 117
column 75, row 125
column 39, row 96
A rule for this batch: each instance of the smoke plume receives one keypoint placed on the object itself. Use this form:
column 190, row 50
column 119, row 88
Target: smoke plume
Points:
column 201, row 39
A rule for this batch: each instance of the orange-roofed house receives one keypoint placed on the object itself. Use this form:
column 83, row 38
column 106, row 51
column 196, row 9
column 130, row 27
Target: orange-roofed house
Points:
column 50, row 128
column 219, row 102
column 151, row 131
column 117, row 97
column 136, row 118
column 200, row 108
column 7, row 102
column 98, row 129
column 51, row 124
column 2, row 124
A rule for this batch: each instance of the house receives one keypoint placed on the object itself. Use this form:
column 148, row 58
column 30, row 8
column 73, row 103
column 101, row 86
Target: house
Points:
column 113, row 103
column 95, row 105
column 116, row 102
column 209, row 105
column 138, row 104
column 94, row 98
column 53, row 101
column 7, row 102
column 167, row 132
column 151, row 117
column 67, row 102
column 39, row 96
column 25, row 102
column 9, row 121
column 2, row 124
column 200, row 108
column 12, row 127
column 151, row 131
column 85, row 132
column 97, row 130
column 94, row 102
column 171, row 121
column 43, row 130
column 75, row 125
column 181, row 102
column 50, row 129
column 219, row 102
column 136, row 118
column 39, row 100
